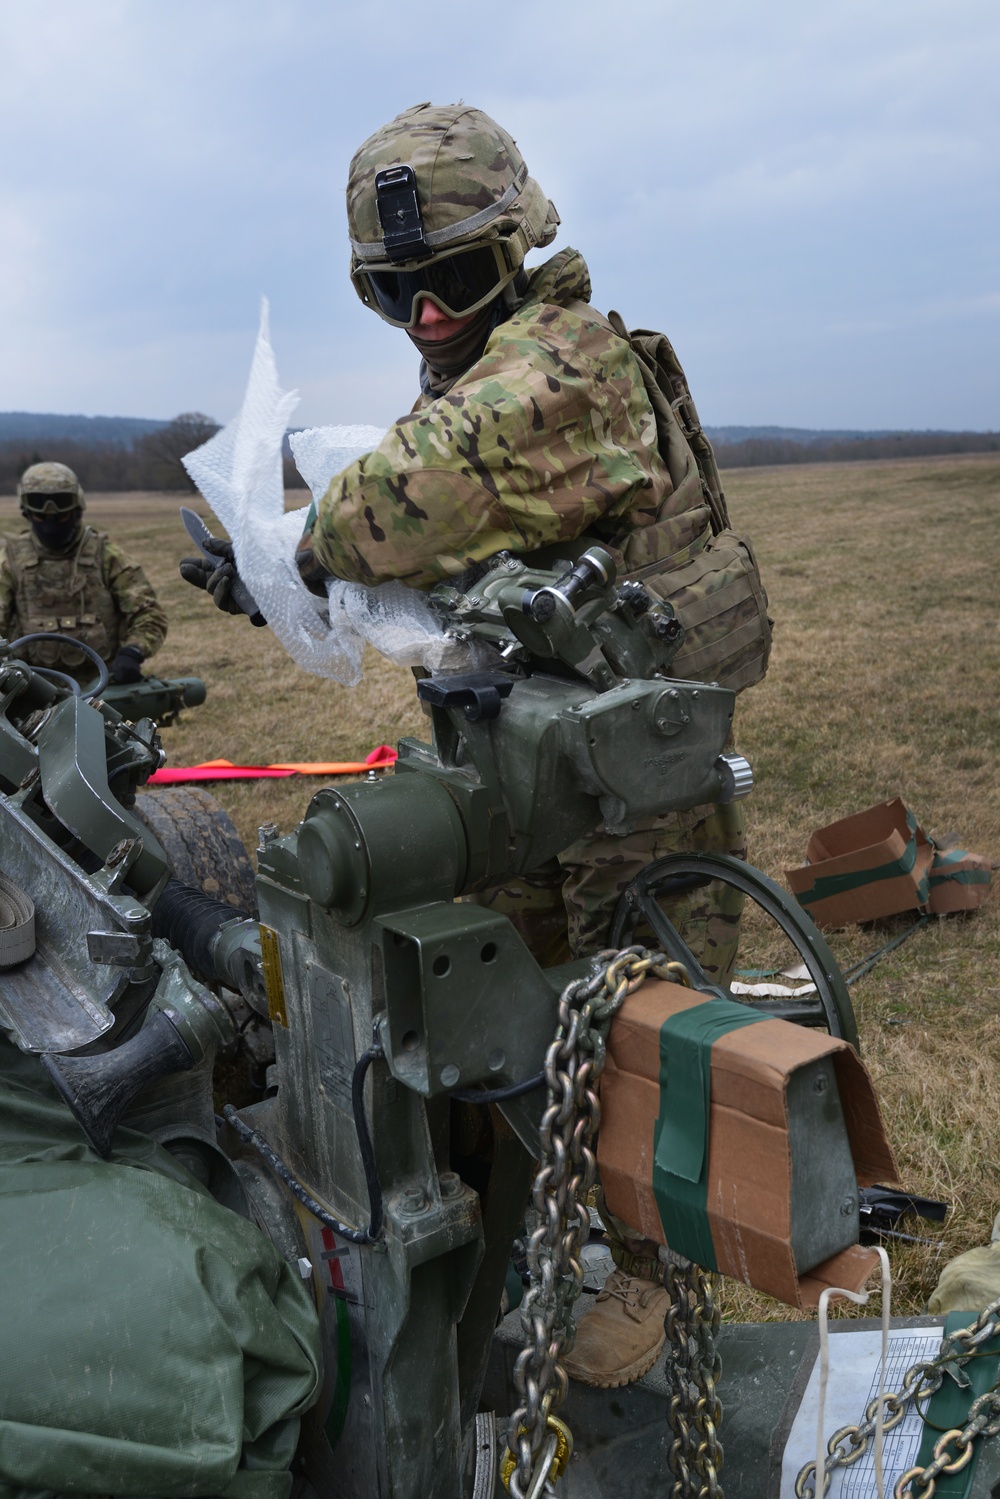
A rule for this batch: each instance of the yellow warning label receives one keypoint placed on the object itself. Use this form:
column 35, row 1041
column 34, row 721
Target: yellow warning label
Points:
column 274, row 984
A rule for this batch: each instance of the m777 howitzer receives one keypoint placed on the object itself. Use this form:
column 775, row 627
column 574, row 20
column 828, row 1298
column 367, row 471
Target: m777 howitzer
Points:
column 393, row 1010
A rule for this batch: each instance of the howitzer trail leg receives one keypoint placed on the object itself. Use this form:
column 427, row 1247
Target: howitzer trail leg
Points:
column 504, row 1191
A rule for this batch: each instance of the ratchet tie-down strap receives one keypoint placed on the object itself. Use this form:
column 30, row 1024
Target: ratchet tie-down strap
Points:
column 17, row 924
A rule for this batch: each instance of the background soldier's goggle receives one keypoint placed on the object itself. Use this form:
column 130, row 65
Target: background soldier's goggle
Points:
column 63, row 502
column 459, row 284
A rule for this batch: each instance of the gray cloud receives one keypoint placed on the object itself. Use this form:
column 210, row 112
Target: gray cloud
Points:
column 804, row 197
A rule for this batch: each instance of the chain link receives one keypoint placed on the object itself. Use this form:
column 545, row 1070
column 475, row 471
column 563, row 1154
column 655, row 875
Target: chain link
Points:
column 566, row 1173
column 920, row 1380
column 694, row 1411
column 983, row 1421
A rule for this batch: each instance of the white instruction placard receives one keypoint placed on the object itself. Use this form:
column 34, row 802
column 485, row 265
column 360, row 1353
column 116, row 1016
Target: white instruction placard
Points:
column 852, row 1382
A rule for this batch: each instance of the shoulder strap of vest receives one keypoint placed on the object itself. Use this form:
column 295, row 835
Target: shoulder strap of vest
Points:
column 91, row 547
column 17, row 549
column 92, row 542
column 670, row 397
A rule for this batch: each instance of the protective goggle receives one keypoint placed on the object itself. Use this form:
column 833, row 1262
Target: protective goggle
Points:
column 459, row 283
column 61, row 503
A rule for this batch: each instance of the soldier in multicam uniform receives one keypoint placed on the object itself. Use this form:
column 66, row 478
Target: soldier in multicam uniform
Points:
column 62, row 576
column 534, row 433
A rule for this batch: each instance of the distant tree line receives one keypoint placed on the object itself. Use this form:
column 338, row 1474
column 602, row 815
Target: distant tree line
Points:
column 758, row 451
column 153, row 461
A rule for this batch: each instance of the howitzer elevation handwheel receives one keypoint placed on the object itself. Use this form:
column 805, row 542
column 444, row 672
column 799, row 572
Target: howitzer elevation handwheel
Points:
column 677, row 874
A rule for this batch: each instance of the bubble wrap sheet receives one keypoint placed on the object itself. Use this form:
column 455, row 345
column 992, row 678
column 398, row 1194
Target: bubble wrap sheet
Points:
column 239, row 473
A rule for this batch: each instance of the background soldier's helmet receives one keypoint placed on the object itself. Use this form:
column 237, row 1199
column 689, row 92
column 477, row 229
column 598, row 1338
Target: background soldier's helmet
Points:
column 49, row 489
column 439, row 202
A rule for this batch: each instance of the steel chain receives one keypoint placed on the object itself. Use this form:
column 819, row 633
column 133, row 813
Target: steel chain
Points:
column 921, row 1380
column 694, row 1411
column 566, row 1173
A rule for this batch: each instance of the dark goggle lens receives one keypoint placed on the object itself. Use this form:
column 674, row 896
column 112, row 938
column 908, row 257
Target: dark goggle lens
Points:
column 60, row 504
column 460, row 282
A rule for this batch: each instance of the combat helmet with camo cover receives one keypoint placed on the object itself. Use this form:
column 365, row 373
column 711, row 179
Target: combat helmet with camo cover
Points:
column 441, row 184
column 42, row 487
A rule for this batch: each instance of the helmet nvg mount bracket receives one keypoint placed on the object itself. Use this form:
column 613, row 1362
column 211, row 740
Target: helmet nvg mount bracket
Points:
column 428, row 194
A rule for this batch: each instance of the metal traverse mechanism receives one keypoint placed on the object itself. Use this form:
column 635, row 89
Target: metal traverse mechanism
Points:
column 72, row 845
column 382, row 1013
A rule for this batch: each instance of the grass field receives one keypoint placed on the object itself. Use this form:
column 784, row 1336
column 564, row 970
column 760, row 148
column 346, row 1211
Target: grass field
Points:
column 884, row 681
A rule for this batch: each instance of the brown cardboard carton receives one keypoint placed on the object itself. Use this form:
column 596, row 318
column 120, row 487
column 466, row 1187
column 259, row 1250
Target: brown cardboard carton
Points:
column 959, row 881
column 873, row 864
column 749, row 1167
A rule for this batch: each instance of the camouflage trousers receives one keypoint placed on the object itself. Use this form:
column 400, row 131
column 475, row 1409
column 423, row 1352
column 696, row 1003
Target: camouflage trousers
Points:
column 565, row 910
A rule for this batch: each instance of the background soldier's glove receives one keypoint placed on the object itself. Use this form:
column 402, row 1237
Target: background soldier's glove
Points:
column 126, row 667
column 217, row 578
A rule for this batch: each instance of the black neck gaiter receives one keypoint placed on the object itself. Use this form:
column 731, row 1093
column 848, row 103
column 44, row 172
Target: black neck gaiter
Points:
column 56, row 535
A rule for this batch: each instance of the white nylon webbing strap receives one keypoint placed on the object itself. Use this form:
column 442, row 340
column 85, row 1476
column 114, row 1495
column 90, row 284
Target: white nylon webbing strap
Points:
column 17, row 924
column 859, row 1299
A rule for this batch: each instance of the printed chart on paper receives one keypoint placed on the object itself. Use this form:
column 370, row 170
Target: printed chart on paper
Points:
column 853, row 1381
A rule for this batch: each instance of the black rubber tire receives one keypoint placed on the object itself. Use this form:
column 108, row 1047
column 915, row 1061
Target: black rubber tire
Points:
column 202, row 845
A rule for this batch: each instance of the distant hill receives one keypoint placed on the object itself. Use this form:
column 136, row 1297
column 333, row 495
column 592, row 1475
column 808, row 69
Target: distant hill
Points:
column 803, row 435
column 112, row 452
column 748, row 447
column 91, row 431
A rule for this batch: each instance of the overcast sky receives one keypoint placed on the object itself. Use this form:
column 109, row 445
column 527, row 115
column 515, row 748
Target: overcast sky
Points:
column 803, row 193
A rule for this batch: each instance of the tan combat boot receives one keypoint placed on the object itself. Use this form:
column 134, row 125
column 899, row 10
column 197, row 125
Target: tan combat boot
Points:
column 622, row 1335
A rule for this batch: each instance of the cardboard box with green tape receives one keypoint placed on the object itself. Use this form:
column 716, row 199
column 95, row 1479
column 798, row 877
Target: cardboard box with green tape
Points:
column 740, row 1141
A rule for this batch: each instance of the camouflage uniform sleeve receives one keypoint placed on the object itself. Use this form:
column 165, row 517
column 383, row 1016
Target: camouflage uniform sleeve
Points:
column 552, row 434
column 8, row 598
column 143, row 621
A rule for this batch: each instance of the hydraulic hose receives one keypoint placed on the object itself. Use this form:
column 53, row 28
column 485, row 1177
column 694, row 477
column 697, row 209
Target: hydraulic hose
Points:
column 373, row 1233
column 500, row 1095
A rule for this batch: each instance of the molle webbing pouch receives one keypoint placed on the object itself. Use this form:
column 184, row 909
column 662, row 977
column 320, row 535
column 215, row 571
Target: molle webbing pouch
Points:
column 683, row 445
column 740, row 1141
column 720, row 600
column 708, row 573
column 67, row 595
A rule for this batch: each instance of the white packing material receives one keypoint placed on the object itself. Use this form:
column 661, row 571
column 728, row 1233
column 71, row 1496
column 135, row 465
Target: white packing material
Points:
column 239, row 472
column 322, row 452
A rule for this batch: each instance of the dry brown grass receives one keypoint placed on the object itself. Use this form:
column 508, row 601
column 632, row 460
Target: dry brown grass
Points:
column 882, row 578
column 260, row 706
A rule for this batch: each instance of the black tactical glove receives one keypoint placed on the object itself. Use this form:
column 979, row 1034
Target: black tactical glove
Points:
column 217, row 578
column 126, row 667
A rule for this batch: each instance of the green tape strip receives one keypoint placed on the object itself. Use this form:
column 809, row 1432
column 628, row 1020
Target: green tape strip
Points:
column 948, row 856
column 950, row 1407
column 680, row 1135
column 837, row 884
column 337, row 1417
column 942, row 874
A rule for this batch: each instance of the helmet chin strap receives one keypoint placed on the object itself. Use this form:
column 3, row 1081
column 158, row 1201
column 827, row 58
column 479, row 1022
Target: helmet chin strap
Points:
column 514, row 292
